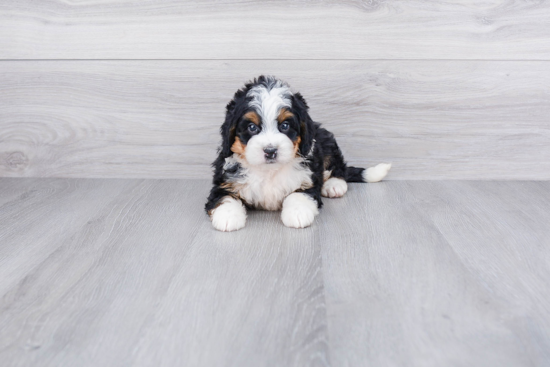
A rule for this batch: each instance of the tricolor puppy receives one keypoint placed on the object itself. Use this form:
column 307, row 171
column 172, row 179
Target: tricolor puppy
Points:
column 275, row 157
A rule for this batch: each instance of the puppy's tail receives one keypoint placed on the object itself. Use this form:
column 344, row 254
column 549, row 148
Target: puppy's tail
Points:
column 372, row 174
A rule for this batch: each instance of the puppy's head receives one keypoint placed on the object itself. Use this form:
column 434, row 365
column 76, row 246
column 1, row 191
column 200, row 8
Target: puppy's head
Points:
column 267, row 124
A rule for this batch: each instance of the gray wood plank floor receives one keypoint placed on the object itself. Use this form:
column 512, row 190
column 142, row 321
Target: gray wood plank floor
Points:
column 432, row 119
column 119, row 272
column 276, row 29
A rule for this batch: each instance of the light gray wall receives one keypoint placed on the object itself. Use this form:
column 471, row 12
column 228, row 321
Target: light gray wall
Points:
column 443, row 90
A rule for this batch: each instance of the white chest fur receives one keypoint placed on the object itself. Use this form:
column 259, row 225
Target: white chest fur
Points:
column 266, row 186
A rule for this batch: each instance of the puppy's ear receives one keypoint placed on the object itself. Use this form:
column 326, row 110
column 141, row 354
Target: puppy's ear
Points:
column 307, row 126
column 234, row 112
column 228, row 130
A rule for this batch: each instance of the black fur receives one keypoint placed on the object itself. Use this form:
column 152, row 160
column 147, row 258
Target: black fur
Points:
column 326, row 154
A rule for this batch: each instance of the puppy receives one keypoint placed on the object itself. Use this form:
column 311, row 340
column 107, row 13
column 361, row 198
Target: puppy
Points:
column 273, row 156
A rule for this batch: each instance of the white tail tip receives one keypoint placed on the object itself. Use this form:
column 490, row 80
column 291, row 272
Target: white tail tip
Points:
column 376, row 173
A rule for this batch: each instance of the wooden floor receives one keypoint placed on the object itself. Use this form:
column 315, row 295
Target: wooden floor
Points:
column 130, row 273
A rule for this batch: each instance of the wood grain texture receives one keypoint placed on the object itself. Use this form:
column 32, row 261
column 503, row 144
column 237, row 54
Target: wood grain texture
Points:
column 320, row 29
column 160, row 119
column 249, row 298
column 438, row 274
column 131, row 273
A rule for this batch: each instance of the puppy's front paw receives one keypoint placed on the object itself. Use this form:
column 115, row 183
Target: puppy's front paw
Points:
column 334, row 188
column 299, row 210
column 229, row 216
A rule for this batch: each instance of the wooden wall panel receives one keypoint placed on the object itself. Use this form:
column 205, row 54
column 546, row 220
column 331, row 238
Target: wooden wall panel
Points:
column 238, row 29
column 160, row 119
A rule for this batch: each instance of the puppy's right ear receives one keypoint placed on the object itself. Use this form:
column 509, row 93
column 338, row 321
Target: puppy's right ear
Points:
column 228, row 130
column 233, row 113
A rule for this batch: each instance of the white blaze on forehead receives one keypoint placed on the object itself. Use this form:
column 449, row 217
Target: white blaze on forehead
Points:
column 268, row 101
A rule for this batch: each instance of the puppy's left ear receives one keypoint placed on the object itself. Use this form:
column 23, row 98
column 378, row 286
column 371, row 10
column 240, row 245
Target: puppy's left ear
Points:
column 307, row 126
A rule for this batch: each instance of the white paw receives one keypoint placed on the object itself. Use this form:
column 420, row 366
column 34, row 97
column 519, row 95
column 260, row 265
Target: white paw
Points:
column 299, row 210
column 334, row 188
column 376, row 173
column 229, row 216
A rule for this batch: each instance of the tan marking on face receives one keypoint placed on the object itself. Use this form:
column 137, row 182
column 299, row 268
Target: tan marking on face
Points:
column 284, row 114
column 252, row 116
column 297, row 145
column 238, row 147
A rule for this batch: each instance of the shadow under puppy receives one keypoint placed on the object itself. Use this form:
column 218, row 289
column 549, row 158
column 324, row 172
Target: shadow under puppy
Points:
column 274, row 156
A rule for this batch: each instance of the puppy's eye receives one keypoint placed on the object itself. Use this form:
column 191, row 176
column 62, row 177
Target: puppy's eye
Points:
column 252, row 128
column 284, row 126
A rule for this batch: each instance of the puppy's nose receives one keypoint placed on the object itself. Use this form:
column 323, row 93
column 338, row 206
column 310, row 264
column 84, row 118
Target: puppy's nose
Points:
column 270, row 153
